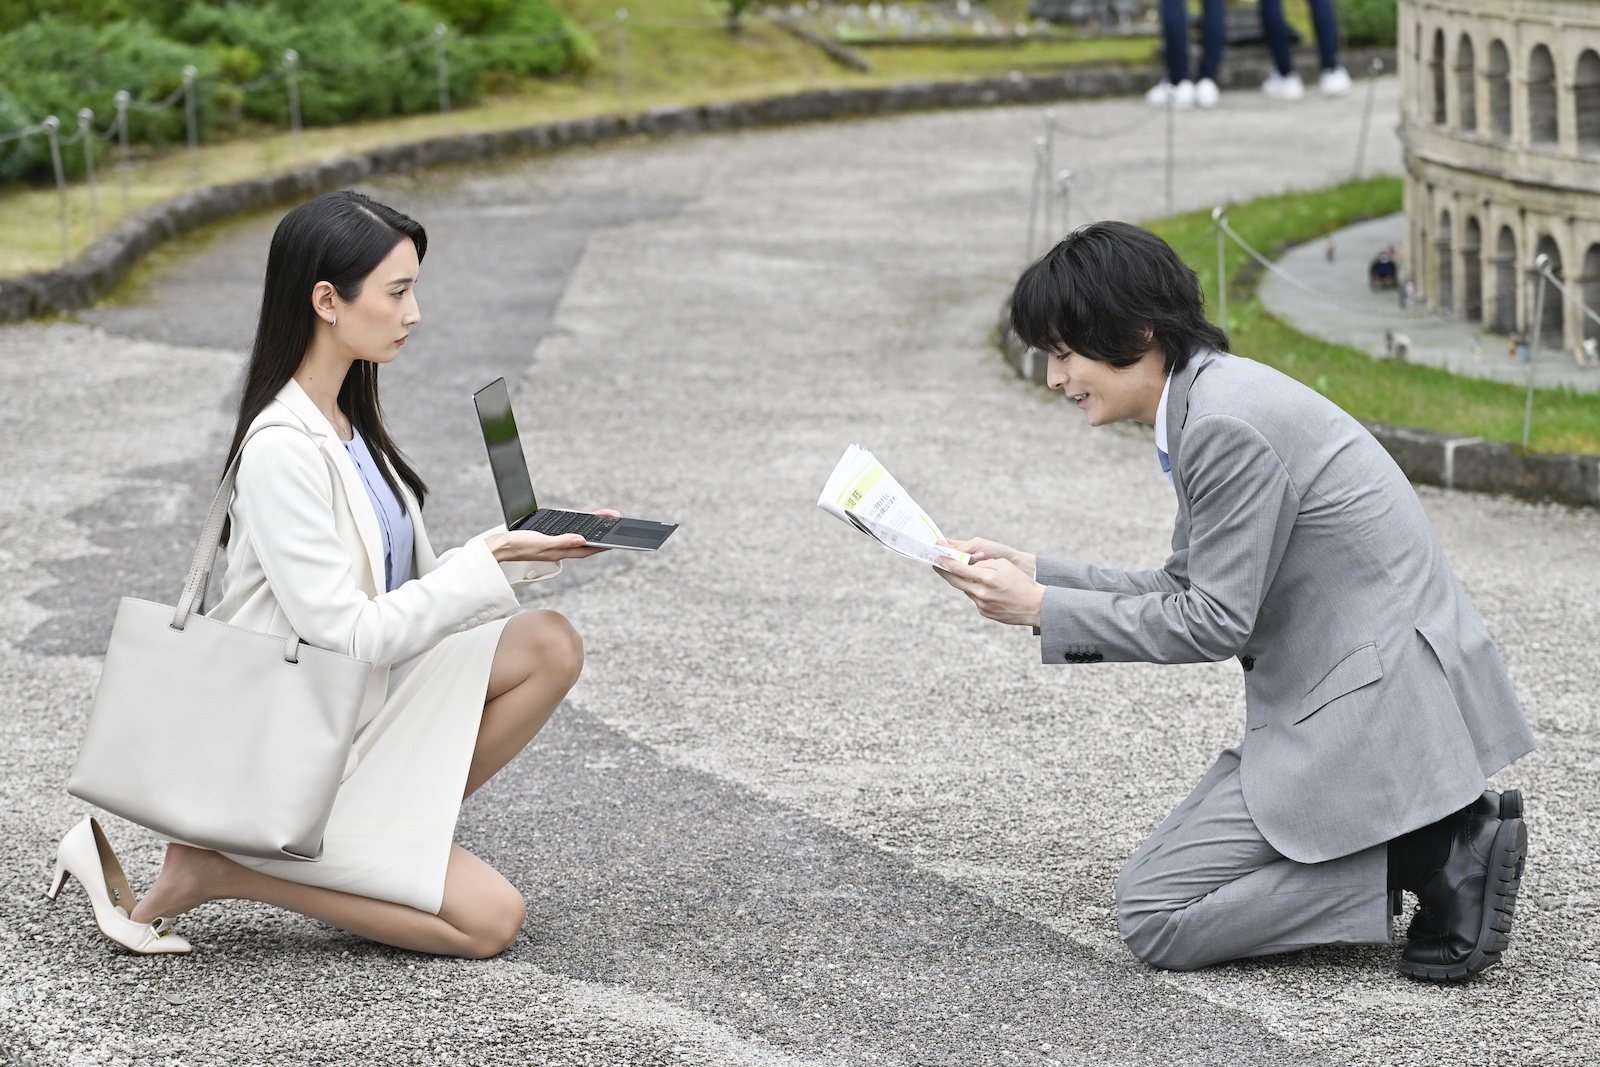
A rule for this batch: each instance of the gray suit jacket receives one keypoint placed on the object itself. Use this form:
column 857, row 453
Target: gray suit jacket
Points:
column 1375, row 700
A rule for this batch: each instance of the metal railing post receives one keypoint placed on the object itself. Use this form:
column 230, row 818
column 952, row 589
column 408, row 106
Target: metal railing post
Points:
column 291, row 59
column 123, row 99
column 1040, row 191
column 86, row 135
column 1172, row 136
column 52, row 130
column 191, row 118
column 439, row 32
column 622, row 59
column 1064, row 186
column 1541, row 265
column 1049, row 169
column 1366, row 116
column 1219, row 219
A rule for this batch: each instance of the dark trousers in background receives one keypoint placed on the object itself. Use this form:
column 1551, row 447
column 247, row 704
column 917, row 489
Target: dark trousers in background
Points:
column 1175, row 33
column 1277, row 33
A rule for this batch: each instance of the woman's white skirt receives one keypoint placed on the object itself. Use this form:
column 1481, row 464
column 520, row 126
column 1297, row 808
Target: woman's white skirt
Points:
column 394, row 818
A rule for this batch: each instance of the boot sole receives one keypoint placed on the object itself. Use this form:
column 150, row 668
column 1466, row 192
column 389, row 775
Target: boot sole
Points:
column 1504, row 881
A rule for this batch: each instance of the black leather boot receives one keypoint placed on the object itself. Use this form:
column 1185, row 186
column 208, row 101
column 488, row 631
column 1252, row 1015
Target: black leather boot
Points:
column 1425, row 922
column 1468, row 904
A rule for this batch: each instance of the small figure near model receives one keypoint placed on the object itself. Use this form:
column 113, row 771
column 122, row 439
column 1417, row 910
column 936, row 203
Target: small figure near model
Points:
column 1178, row 91
column 1382, row 272
column 1284, row 83
column 1376, row 704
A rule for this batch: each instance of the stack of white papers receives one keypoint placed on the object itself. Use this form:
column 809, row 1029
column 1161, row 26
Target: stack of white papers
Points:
column 861, row 492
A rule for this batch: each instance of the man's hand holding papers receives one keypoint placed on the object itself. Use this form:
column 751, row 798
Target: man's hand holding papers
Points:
column 1001, row 590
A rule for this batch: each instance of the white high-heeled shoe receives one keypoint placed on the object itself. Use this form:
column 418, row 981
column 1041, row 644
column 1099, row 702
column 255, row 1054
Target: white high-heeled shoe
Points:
column 87, row 856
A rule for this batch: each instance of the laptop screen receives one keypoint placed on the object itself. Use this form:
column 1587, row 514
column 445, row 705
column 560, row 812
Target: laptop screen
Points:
column 505, row 451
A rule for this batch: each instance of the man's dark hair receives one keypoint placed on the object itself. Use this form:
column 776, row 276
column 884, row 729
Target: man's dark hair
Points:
column 1110, row 291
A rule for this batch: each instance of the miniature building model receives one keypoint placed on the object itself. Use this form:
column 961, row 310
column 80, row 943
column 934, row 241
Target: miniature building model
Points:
column 1500, row 118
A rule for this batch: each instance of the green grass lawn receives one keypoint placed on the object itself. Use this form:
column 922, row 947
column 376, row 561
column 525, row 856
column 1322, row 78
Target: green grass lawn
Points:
column 1400, row 394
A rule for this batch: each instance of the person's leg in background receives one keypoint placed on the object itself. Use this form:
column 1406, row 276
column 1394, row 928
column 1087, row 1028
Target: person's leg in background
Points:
column 1276, row 31
column 1177, row 90
column 1334, row 80
column 1213, row 35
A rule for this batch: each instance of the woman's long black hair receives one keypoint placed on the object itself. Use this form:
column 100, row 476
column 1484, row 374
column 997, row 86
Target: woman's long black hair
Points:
column 338, row 238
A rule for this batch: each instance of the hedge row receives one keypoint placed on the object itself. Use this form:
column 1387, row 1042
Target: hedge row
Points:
column 82, row 53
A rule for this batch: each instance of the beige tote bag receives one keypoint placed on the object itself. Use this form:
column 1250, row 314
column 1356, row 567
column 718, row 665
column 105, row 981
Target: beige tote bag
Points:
column 213, row 735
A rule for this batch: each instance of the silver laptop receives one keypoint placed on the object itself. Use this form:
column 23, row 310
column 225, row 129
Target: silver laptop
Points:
column 522, row 511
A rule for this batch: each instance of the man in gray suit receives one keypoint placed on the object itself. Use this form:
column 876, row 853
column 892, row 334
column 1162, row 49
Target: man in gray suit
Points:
column 1376, row 703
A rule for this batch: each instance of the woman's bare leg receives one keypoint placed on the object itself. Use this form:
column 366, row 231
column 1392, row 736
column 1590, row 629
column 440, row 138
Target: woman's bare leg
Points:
column 537, row 661
column 481, row 916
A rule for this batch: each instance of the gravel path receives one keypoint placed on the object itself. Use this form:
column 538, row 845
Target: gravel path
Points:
column 805, row 807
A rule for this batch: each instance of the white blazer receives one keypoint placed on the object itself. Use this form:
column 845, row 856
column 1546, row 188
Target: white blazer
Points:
column 305, row 554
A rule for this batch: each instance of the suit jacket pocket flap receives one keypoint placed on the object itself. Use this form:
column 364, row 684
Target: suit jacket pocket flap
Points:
column 1359, row 668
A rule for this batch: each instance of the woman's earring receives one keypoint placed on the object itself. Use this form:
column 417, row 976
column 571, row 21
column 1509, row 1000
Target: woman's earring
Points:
column 335, row 321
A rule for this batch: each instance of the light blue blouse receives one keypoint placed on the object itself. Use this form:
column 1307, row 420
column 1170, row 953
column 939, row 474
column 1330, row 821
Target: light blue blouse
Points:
column 398, row 534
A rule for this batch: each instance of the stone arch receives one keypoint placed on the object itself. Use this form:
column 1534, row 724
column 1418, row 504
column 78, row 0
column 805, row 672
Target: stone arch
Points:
column 1552, row 332
column 1446, row 260
column 1437, row 79
column 1472, row 270
column 1505, row 282
column 1544, row 125
column 1498, row 75
column 1467, row 85
column 1590, row 282
column 1586, row 93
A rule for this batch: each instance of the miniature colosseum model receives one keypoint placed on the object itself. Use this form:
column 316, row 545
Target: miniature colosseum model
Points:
column 1500, row 117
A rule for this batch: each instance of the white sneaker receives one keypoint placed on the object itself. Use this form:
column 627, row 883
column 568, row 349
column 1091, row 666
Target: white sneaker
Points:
column 1179, row 97
column 1206, row 93
column 1335, row 82
column 1284, row 86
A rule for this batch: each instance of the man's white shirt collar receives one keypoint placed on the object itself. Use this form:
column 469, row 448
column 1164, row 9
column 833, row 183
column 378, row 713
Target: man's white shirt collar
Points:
column 1161, row 416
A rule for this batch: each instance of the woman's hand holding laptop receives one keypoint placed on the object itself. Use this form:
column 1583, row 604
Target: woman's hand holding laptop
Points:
column 525, row 546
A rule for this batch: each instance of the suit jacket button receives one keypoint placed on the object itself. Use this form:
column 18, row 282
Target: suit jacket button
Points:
column 1248, row 662
column 1093, row 657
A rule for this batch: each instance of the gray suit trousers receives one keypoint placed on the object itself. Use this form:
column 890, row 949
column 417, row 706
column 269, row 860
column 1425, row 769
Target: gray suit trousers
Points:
column 1206, row 887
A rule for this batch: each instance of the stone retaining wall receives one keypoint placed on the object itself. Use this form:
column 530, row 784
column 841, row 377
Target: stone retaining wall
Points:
column 1427, row 457
column 110, row 258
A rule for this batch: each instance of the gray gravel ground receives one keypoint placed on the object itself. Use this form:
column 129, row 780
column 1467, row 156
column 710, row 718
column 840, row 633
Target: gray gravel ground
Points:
column 805, row 807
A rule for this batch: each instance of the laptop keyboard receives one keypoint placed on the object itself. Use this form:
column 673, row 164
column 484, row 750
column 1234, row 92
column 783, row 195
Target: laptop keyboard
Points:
column 555, row 523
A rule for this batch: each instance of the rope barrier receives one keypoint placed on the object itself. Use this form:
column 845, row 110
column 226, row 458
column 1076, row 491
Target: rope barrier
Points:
column 261, row 82
column 177, row 94
column 26, row 131
column 361, row 64
column 1567, row 294
column 1221, row 222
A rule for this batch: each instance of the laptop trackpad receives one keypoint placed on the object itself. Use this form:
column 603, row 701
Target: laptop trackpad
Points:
column 632, row 533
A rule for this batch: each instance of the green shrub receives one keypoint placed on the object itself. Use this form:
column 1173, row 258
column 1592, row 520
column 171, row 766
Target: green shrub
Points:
column 1368, row 22
column 15, row 14
column 51, row 67
column 19, row 157
column 358, row 59
column 525, row 37
column 347, row 70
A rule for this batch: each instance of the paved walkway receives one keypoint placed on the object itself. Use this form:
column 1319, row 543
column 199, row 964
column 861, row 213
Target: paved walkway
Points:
column 1348, row 312
column 805, row 807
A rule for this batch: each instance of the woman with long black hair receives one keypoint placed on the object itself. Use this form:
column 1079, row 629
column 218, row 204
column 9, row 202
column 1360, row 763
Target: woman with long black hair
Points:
column 326, row 540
